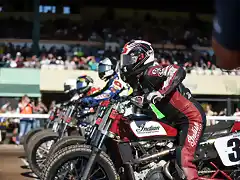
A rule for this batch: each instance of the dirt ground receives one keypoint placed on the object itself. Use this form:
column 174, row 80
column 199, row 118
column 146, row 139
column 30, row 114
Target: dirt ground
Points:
column 13, row 165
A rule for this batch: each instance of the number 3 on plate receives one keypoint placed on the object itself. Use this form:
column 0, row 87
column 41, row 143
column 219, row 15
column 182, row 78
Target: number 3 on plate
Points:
column 228, row 149
column 235, row 144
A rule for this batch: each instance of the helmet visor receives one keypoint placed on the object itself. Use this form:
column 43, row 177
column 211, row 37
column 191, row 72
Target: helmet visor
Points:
column 81, row 85
column 103, row 68
column 126, row 60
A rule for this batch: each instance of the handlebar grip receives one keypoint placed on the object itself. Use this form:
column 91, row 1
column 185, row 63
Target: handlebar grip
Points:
column 156, row 99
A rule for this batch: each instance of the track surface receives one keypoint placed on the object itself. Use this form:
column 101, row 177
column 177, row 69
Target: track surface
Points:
column 13, row 165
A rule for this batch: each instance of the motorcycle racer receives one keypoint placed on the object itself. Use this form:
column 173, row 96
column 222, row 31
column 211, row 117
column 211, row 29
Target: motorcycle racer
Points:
column 81, row 86
column 163, row 87
column 85, row 85
column 115, row 87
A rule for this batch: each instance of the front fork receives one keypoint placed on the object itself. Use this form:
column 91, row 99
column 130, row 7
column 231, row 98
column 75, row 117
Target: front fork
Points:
column 67, row 119
column 48, row 124
column 97, row 143
column 96, row 150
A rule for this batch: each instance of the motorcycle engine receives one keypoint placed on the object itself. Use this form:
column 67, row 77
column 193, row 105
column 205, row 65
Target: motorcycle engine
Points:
column 151, row 169
column 152, row 173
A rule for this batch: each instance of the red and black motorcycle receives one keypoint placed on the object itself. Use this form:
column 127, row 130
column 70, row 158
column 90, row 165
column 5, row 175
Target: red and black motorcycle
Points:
column 124, row 143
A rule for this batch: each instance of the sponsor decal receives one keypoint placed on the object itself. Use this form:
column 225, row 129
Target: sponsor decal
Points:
column 157, row 71
column 102, row 96
column 195, row 133
column 98, row 121
column 142, row 129
column 81, row 79
column 117, row 85
column 113, row 90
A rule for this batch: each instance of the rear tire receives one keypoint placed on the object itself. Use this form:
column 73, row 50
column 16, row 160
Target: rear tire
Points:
column 42, row 137
column 73, row 152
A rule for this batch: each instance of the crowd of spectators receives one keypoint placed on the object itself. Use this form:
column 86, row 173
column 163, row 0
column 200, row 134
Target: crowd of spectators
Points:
column 209, row 111
column 22, row 56
column 87, row 58
column 189, row 32
column 21, row 126
column 192, row 33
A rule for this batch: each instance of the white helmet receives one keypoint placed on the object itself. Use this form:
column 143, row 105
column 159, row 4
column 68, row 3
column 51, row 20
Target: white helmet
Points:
column 70, row 85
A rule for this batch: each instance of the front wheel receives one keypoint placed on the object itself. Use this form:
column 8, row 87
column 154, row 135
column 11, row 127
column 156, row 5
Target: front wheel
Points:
column 39, row 149
column 28, row 137
column 64, row 142
column 69, row 163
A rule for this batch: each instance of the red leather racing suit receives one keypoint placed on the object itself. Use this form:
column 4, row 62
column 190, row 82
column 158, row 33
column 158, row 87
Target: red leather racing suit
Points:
column 180, row 109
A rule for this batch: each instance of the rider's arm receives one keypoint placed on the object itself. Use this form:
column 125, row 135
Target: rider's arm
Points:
column 174, row 76
column 99, row 91
column 113, row 89
column 226, row 36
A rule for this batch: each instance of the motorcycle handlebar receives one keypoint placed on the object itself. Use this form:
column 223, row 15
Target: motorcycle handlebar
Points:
column 120, row 99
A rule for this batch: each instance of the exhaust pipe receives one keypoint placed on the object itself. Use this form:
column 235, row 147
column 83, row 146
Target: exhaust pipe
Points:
column 154, row 156
column 166, row 171
column 179, row 171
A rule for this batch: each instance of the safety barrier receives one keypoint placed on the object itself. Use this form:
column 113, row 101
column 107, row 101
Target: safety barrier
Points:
column 16, row 115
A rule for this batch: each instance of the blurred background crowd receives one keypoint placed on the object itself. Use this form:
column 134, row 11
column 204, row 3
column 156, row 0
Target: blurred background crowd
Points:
column 177, row 40
column 16, row 128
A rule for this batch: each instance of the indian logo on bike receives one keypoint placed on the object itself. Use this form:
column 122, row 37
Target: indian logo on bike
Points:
column 147, row 128
column 150, row 129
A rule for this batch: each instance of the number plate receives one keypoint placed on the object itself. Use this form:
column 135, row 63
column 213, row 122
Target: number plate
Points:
column 228, row 149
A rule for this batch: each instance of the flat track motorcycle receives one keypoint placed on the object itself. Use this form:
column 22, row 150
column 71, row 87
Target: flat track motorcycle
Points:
column 142, row 144
column 127, row 146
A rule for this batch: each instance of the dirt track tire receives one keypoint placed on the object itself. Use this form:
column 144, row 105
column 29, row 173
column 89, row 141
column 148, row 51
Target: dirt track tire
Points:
column 34, row 136
column 72, row 152
column 28, row 136
column 39, row 139
column 64, row 142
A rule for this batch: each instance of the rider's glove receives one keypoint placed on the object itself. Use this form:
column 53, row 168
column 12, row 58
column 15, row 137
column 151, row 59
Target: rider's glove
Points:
column 153, row 97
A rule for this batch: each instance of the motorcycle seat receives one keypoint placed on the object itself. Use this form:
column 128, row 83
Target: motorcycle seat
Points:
column 217, row 130
column 220, row 126
column 140, row 117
